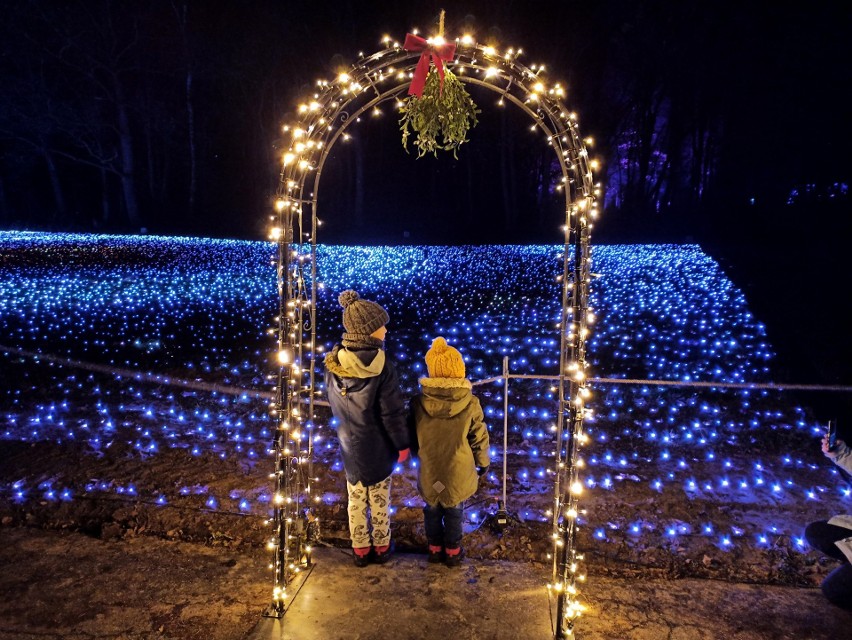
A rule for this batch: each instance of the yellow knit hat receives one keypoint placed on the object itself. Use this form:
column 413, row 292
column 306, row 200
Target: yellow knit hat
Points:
column 442, row 361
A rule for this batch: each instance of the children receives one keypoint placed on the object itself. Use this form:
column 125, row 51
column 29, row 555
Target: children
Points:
column 452, row 440
column 363, row 390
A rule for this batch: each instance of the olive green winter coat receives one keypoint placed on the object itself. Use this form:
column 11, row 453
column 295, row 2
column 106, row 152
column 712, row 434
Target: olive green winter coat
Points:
column 450, row 439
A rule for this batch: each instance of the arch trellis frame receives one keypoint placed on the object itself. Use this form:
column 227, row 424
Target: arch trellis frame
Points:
column 322, row 121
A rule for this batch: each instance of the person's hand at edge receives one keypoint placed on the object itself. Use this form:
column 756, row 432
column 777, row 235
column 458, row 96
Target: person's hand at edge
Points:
column 832, row 453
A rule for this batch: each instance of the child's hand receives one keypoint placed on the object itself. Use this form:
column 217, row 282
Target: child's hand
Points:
column 403, row 455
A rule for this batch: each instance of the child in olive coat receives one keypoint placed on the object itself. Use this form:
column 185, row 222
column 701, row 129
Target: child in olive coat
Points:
column 451, row 440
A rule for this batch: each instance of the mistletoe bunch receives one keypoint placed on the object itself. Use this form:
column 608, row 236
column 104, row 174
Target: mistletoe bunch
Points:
column 448, row 113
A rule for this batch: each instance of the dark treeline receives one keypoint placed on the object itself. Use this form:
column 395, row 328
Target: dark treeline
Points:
column 165, row 114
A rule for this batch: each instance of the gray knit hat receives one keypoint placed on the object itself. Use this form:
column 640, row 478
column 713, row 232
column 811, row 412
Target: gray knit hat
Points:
column 361, row 316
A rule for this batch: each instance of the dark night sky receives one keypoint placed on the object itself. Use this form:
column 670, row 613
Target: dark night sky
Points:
column 775, row 78
column 771, row 83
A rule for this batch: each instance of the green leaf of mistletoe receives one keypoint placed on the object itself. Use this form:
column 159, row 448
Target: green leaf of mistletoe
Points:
column 447, row 114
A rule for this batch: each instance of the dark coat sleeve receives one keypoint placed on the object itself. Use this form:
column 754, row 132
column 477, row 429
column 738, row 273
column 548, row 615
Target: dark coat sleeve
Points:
column 392, row 408
column 411, row 424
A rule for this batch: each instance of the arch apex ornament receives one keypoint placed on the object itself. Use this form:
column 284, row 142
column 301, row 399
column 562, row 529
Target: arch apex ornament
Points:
column 322, row 120
column 437, row 52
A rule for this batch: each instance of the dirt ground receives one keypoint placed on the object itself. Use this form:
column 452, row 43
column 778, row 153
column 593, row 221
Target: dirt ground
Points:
column 216, row 495
column 113, row 563
column 131, row 509
column 72, row 586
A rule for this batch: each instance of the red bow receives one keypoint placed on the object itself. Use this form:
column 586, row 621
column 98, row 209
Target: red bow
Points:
column 439, row 53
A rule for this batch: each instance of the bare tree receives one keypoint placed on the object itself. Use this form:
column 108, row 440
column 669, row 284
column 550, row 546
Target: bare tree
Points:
column 82, row 86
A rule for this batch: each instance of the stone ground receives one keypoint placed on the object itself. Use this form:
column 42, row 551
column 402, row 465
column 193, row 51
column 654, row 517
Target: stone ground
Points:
column 57, row 584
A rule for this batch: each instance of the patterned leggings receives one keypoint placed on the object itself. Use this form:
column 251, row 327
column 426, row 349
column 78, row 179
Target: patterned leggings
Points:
column 377, row 526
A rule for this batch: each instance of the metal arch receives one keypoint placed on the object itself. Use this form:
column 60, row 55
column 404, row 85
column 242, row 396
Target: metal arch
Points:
column 324, row 121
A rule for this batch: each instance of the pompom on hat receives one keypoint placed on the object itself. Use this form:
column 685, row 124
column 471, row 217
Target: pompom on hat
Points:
column 361, row 316
column 443, row 361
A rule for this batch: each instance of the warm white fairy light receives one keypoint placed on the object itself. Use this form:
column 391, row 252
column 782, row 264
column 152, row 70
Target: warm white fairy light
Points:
column 329, row 110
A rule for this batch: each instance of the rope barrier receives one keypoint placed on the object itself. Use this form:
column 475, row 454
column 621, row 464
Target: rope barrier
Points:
column 199, row 385
column 690, row 383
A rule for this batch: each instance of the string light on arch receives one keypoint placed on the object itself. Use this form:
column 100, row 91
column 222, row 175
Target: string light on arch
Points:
column 324, row 118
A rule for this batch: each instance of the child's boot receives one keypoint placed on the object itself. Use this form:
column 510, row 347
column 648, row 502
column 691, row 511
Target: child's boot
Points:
column 454, row 556
column 361, row 556
column 382, row 554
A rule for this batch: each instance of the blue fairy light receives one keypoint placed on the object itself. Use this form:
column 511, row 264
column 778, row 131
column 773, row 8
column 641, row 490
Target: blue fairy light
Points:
column 664, row 312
